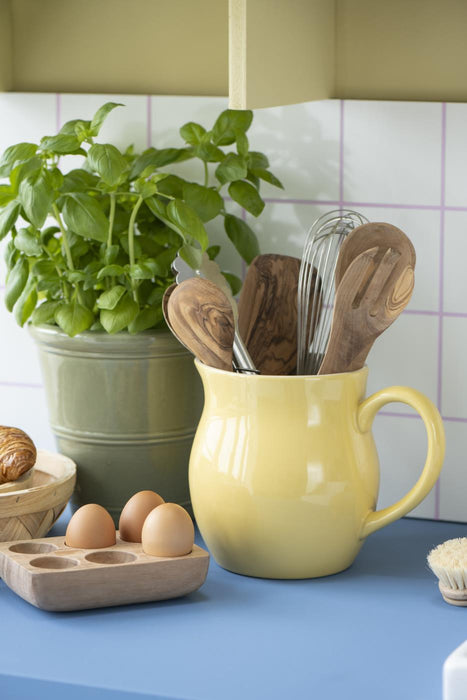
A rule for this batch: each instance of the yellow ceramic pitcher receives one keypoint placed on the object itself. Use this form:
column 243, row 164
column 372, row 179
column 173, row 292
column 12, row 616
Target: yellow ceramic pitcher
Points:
column 284, row 472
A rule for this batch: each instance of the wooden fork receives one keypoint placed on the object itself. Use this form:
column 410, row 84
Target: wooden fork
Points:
column 372, row 294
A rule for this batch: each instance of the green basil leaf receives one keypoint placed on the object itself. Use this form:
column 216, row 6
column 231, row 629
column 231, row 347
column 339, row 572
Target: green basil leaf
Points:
column 49, row 285
column 110, row 271
column 185, row 218
column 267, row 176
column 147, row 318
column 255, row 180
column 145, row 188
column 100, row 116
column 16, row 282
column 242, row 143
column 228, row 123
column 36, row 196
column 243, row 238
column 28, row 243
column 26, row 303
column 55, row 178
column 191, row 255
column 60, row 144
column 43, row 269
column 257, row 160
column 145, row 270
column 111, row 254
column 22, row 170
column 171, row 185
column 157, row 158
column 44, row 313
column 155, row 297
column 206, row 202
column 6, row 194
column 192, row 133
column 73, row 318
column 108, row 162
column 10, row 255
column 14, row 154
column 234, row 282
column 116, row 319
column 165, row 260
column 213, row 251
column 75, row 127
column 8, row 216
column 209, row 153
column 78, row 180
column 75, row 276
column 247, row 196
column 110, row 299
column 233, row 167
column 83, row 215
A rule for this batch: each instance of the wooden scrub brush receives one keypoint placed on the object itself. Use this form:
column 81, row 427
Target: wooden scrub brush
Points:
column 448, row 561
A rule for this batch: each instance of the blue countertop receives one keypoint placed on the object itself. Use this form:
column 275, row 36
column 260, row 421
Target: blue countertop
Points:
column 378, row 630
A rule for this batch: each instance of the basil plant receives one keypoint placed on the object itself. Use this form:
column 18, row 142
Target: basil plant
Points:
column 92, row 248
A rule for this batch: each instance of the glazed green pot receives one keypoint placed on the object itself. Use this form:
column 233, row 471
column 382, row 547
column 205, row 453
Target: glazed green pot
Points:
column 125, row 409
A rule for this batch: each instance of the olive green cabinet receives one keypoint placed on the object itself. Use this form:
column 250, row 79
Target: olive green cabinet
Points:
column 259, row 52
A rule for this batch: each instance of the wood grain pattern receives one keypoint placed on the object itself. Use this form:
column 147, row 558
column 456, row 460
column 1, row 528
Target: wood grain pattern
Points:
column 267, row 313
column 370, row 297
column 52, row 576
column 31, row 512
column 202, row 318
column 374, row 234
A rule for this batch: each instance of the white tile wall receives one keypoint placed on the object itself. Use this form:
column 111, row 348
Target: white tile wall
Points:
column 394, row 161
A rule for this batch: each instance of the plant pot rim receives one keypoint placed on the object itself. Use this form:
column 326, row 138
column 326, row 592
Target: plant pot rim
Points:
column 154, row 341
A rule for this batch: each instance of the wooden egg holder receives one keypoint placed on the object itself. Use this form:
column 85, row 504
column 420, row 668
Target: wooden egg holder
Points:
column 52, row 576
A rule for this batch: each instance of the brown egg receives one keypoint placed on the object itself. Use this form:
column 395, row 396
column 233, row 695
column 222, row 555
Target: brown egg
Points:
column 168, row 531
column 91, row 527
column 135, row 513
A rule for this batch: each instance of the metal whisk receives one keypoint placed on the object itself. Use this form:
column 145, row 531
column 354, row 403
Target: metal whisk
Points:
column 316, row 288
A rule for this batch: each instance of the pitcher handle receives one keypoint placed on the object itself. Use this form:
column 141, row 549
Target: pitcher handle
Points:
column 435, row 454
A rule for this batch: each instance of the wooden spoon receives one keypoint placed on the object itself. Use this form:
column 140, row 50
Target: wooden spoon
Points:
column 267, row 313
column 202, row 319
column 165, row 311
column 370, row 235
column 371, row 295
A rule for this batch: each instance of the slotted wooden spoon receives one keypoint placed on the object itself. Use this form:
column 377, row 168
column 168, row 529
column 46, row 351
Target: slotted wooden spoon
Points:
column 267, row 313
column 369, row 236
column 371, row 295
column 201, row 317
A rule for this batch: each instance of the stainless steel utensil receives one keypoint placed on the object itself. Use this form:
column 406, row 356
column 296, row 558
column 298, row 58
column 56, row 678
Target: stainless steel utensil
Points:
column 316, row 285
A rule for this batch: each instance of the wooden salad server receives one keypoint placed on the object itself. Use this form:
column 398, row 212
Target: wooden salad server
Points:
column 370, row 235
column 267, row 313
column 202, row 319
column 371, row 295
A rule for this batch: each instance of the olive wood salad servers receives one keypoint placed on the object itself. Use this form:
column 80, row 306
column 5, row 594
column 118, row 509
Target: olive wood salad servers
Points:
column 202, row 319
column 210, row 270
column 372, row 293
column 370, row 235
column 267, row 312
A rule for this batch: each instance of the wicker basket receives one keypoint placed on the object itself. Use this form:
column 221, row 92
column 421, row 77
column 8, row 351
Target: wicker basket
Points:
column 29, row 513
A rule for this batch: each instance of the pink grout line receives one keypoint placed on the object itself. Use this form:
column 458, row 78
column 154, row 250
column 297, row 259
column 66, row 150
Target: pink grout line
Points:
column 441, row 284
column 369, row 205
column 58, row 111
column 21, row 385
column 341, row 154
column 395, row 414
column 148, row 121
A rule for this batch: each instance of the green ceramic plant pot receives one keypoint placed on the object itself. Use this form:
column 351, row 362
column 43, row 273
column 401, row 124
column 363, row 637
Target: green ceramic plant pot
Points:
column 125, row 409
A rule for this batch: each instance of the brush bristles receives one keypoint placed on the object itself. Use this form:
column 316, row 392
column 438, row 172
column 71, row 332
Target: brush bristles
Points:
column 448, row 561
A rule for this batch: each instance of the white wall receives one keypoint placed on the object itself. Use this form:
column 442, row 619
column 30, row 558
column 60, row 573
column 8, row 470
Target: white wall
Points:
column 399, row 162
